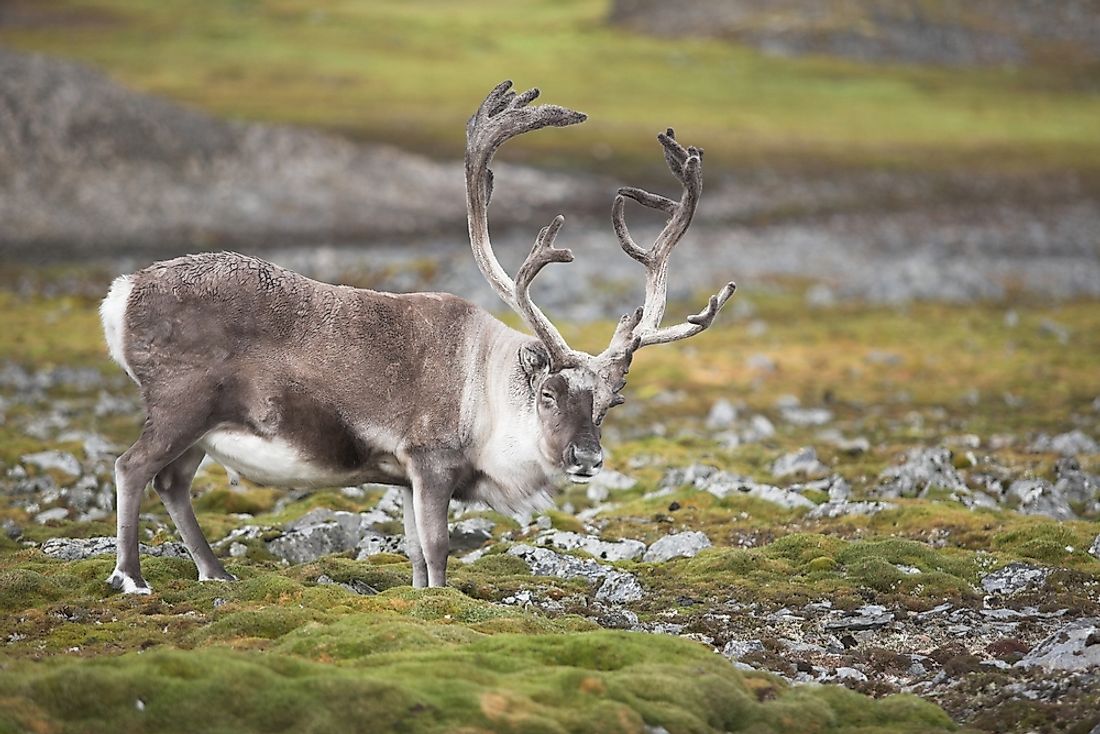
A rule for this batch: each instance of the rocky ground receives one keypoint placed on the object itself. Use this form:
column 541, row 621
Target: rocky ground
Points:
column 873, row 533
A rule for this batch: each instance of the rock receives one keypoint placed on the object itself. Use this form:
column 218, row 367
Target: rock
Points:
column 1094, row 550
column 1067, row 444
column 677, row 545
column 619, row 550
column 238, row 550
column 606, row 482
column 722, row 484
column 802, row 462
column 867, row 617
column 306, row 543
column 355, row 586
column 471, row 533
column 923, row 470
column 760, row 428
column 617, row 618
column 722, row 415
column 617, row 587
column 839, row 490
column 59, row 461
column 737, row 649
column 373, row 543
column 831, row 510
column 1077, row 487
column 1076, row 646
column 1014, row 578
column 846, row 673
column 799, row 416
column 54, row 514
column 11, row 529
column 1038, row 497
column 75, row 549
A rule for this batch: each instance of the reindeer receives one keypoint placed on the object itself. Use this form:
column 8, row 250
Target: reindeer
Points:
column 295, row 383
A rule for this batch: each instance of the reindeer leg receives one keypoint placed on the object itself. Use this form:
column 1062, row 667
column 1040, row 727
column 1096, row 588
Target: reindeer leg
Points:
column 434, row 479
column 173, row 484
column 412, row 542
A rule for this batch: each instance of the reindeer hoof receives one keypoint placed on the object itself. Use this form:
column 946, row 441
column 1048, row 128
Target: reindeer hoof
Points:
column 222, row 576
column 126, row 584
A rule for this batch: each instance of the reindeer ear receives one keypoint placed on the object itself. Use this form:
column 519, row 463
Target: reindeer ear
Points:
column 533, row 359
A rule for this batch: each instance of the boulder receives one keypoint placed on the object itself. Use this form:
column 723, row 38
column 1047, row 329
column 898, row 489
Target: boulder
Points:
column 922, row 470
column 57, row 461
column 802, row 462
column 677, row 545
column 607, row 550
column 1076, row 646
column 75, row 549
column 616, row 587
column 1014, row 578
column 1039, row 497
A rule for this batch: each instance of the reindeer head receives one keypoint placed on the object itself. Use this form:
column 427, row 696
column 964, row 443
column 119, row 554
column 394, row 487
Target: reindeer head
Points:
column 573, row 390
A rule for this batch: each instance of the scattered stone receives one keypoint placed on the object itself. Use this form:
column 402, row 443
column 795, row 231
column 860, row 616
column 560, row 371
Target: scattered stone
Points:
column 1038, row 497
column 923, row 470
column 806, row 416
column 617, row 587
column 852, row 674
column 59, row 461
column 737, row 649
column 374, row 543
column 606, row 482
column 722, row 415
column 1067, row 444
column 355, row 586
column 867, row 617
column 619, row 550
column 1014, row 578
column 316, row 534
column 760, row 428
column 1094, row 550
column 238, row 550
column 54, row 514
column 677, row 545
column 802, row 462
column 1078, row 488
column 1076, row 646
column 76, row 549
column 617, row 618
column 471, row 533
column 11, row 529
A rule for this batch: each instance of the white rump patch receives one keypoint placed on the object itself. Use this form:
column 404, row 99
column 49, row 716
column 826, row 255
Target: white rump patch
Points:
column 112, row 312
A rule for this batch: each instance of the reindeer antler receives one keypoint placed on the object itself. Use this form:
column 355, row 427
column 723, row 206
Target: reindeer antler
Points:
column 503, row 115
column 686, row 165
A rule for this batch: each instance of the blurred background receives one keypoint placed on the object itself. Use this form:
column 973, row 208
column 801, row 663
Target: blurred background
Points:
column 876, row 150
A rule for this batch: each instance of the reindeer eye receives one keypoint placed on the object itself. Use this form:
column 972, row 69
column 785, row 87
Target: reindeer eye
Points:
column 547, row 395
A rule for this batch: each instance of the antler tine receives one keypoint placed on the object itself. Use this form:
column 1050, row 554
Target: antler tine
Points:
column 542, row 254
column 503, row 115
column 694, row 324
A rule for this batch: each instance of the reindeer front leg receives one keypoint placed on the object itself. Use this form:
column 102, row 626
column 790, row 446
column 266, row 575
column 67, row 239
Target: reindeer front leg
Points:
column 434, row 479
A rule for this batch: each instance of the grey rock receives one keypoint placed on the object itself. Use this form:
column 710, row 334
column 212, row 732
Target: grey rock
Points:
column 1094, row 550
column 922, row 470
column 867, row 617
column 677, row 545
column 54, row 514
column 355, row 586
column 306, row 543
column 471, row 533
column 61, row 461
column 75, row 549
column 617, row 587
column 1076, row 486
column 852, row 674
column 606, row 482
column 372, row 543
column 737, row 649
column 11, row 529
column 723, row 484
column 1071, row 443
column 619, row 550
column 799, row 416
column 238, row 550
column 760, row 428
column 1014, row 578
column 802, row 462
column 1038, row 497
column 1076, row 646
column 617, row 618
column 722, row 415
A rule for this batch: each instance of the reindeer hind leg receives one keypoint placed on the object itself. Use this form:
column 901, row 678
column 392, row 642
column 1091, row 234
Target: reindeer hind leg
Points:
column 173, row 484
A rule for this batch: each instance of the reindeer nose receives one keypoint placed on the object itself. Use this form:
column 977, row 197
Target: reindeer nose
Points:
column 584, row 459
